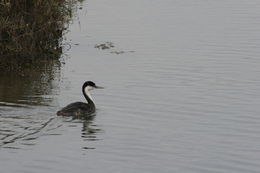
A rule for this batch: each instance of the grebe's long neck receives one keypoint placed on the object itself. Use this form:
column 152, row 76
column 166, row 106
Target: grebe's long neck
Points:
column 86, row 93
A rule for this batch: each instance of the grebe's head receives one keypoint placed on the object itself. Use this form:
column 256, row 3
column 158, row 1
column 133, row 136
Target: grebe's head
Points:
column 89, row 85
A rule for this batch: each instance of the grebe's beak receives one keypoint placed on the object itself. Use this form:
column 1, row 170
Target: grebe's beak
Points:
column 99, row 87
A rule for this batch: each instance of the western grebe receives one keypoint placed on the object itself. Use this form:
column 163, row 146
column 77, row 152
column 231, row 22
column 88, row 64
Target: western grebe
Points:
column 81, row 108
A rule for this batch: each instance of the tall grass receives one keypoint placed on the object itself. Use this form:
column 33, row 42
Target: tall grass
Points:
column 31, row 31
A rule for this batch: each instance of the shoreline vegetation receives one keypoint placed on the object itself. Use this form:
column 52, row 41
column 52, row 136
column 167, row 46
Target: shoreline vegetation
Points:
column 31, row 32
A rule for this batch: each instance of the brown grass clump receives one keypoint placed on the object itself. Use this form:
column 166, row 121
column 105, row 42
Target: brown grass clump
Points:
column 31, row 31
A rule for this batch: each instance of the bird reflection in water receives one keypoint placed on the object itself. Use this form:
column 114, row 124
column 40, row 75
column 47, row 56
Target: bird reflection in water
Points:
column 89, row 131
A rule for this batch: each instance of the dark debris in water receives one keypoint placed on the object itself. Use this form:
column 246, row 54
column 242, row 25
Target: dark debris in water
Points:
column 109, row 45
column 87, row 148
column 106, row 45
column 121, row 52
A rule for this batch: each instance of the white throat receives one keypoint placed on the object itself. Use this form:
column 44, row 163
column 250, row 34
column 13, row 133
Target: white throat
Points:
column 87, row 91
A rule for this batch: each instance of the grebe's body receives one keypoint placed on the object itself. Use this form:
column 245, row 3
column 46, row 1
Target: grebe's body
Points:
column 81, row 108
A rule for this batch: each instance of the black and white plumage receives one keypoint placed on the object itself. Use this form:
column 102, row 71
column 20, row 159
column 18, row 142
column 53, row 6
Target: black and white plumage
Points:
column 81, row 108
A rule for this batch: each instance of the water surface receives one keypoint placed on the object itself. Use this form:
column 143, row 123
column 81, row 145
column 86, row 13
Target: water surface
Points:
column 181, row 96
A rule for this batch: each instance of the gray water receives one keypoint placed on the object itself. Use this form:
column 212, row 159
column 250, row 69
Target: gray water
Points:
column 182, row 92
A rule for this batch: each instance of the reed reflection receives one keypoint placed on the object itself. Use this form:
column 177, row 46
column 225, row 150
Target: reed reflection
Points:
column 34, row 88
